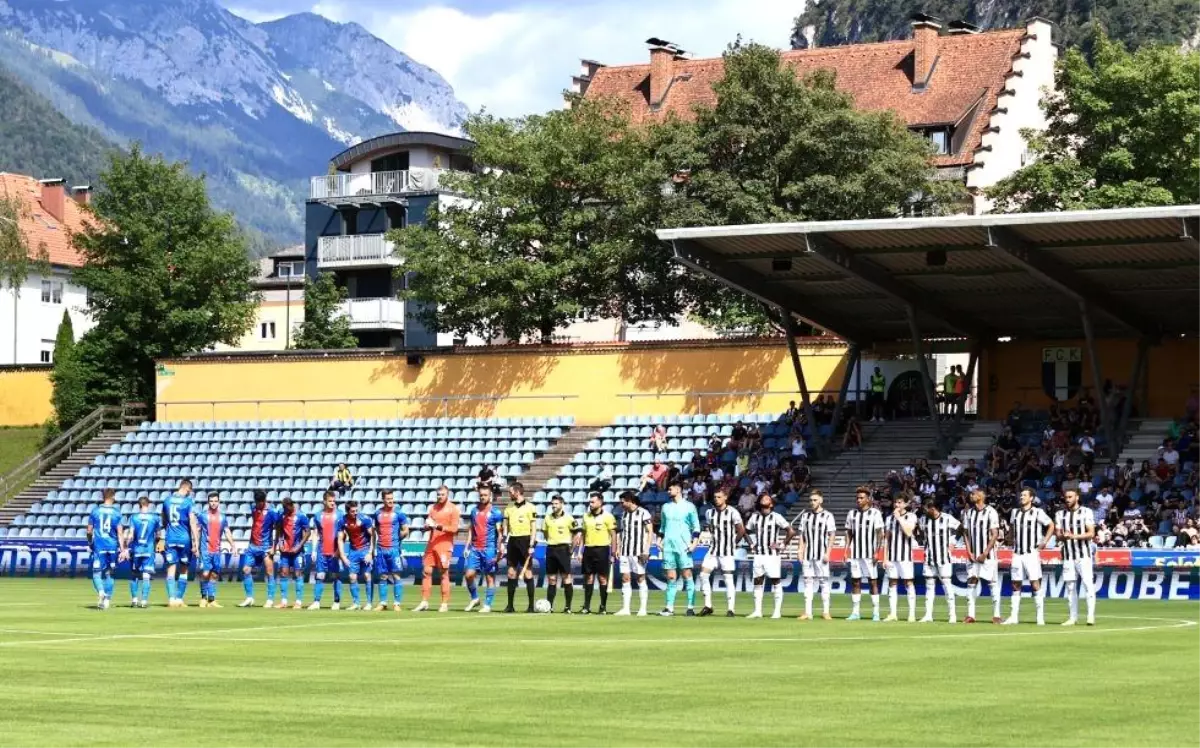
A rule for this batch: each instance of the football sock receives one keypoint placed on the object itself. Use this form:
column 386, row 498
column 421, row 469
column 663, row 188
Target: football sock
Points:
column 568, row 593
column 551, row 593
column 730, row 591
column 587, row 597
column 689, row 588
column 512, row 591
column 672, row 592
column 643, row 595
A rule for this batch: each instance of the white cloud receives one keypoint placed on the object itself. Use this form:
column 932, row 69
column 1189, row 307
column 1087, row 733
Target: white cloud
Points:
column 519, row 59
column 254, row 15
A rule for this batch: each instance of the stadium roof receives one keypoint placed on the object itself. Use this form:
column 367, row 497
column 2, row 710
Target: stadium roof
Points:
column 1022, row 275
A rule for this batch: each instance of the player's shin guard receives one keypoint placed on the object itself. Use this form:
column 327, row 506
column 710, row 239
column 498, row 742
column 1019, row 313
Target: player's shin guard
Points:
column 1016, row 602
column 318, row 588
column 98, row 582
column 808, row 596
column 730, row 590
column 706, row 587
column 972, row 593
column 529, row 591
column 1089, row 591
column 299, row 588
column 172, row 588
column 778, row 590
column 950, row 598
column 337, row 590
column 446, row 588
column 145, row 586
column 397, row 591
column 134, row 585
column 473, row 589
column 356, row 593
column 643, row 594
column 551, row 593
column 603, row 596
column 587, row 596
column 930, row 594
column 109, row 583
column 891, row 593
column 1039, row 603
column 996, row 599
column 824, row 595
column 181, row 584
column 672, row 592
column 875, row 604
column 910, row 592
column 627, row 596
column 248, row 583
column 272, row 587
column 855, row 603
column 512, row 591
column 758, row 599
column 489, row 595
column 689, row 589
column 568, row 593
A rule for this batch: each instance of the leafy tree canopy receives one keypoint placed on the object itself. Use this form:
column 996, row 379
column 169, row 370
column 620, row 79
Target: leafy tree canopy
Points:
column 324, row 326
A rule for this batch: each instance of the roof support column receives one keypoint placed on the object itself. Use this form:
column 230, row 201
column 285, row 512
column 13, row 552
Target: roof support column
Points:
column 852, row 358
column 926, row 380
column 792, row 330
column 1085, row 313
column 1139, row 363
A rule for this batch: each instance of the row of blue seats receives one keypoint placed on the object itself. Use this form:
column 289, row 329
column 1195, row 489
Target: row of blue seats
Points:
column 634, row 432
column 267, row 457
column 443, row 445
column 193, row 437
column 462, row 490
column 69, row 533
column 274, row 484
column 711, row 418
column 293, row 470
column 358, row 423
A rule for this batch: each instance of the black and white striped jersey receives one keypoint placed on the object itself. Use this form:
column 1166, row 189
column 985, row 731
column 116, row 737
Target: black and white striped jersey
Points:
column 863, row 527
column 766, row 532
column 1076, row 523
column 979, row 523
column 723, row 524
column 1028, row 528
column 815, row 529
column 938, row 536
column 633, row 532
column 899, row 546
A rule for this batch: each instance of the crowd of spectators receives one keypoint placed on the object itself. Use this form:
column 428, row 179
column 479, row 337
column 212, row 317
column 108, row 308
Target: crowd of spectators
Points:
column 1135, row 506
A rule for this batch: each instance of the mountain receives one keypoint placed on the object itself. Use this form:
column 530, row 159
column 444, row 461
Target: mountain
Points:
column 1133, row 22
column 257, row 108
column 36, row 139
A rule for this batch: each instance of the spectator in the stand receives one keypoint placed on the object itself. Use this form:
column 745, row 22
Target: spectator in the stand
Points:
column 603, row 479
column 487, row 477
column 799, row 446
column 1087, row 445
column 1085, row 484
column 852, row 439
column 1104, row 502
column 717, row 475
column 1103, row 534
column 699, row 489
column 1169, row 455
column 802, row 475
column 715, row 444
column 791, row 414
column 737, row 435
column 1013, row 421
column 1189, row 535
column 878, row 392
column 953, row 472
column 961, row 386
column 746, row 502
column 949, row 384
column 971, row 471
column 658, row 438
column 742, row 464
column 1071, row 482
column 673, row 473
column 699, row 461
column 342, row 481
column 753, row 437
column 655, row 475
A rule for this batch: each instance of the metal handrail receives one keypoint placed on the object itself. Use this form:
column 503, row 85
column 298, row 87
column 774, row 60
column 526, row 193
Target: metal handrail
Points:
column 445, row 400
column 66, row 443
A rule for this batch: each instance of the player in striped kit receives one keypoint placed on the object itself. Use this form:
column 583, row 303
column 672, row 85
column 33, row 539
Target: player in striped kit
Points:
column 1031, row 529
column 1076, row 526
column 816, row 527
column 769, row 533
column 864, row 525
column 898, row 556
column 981, row 530
column 635, row 536
column 937, row 530
column 724, row 526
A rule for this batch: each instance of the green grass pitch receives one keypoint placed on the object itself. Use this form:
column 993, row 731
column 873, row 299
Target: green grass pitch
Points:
column 72, row 675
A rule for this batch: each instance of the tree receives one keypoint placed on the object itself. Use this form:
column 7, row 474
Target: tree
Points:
column 167, row 274
column 1123, row 131
column 70, row 397
column 778, row 148
column 552, row 229
column 325, row 327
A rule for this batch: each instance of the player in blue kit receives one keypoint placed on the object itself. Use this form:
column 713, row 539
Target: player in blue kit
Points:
column 484, row 541
column 325, row 528
column 213, row 529
column 108, row 546
column 179, row 525
column 142, row 530
column 391, row 527
column 356, row 542
column 259, row 550
column 291, row 533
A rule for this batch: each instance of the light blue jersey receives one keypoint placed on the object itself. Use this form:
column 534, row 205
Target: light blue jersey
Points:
column 177, row 514
column 679, row 525
column 145, row 526
column 105, row 524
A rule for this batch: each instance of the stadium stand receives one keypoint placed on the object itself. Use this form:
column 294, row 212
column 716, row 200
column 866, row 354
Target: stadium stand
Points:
column 295, row 458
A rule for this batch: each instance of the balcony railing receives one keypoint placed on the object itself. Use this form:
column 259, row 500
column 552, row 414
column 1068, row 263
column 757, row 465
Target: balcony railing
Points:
column 343, row 185
column 360, row 250
column 374, row 314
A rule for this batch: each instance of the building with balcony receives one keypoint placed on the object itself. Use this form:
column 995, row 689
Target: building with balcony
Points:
column 280, row 285
column 380, row 184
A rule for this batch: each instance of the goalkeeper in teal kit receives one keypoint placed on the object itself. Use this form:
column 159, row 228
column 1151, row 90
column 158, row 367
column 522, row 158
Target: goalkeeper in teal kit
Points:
column 678, row 531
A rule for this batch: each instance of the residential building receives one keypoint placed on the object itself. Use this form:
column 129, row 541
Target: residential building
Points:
column 281, row 309
column 30, row 314
column 969, row 92
column 380, row 184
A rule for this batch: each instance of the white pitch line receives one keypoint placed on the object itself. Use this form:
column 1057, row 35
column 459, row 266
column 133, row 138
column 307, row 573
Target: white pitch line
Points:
column 23, row 605
column 79, row 634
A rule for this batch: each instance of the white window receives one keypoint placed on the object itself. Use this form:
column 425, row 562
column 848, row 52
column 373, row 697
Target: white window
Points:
column 290, row 269
column 267, row 330
column 941, row 141
column 52, row 291
column 46, row 356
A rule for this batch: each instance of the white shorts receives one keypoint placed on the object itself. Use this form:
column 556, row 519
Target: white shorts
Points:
column 632, row 565
column 899, row 569
column 1081, row 570
column 713, row 561
column 941, row 571
column 985, row 571
column 768, row 566
column 815, row 569
column 1027, row 567
column 862, row 568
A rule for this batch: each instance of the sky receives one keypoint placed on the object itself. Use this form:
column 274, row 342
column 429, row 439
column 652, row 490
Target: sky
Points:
column 515, row 57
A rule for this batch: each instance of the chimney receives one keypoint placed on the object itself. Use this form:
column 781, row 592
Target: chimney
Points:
column 962, row 28
column 53, row 198
column 663, row 55
column 82, row 194
column 925, row 48
column 587, row 72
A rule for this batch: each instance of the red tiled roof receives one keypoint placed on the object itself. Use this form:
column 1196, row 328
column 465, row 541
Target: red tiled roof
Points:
column 970, row 67
column 42, row 230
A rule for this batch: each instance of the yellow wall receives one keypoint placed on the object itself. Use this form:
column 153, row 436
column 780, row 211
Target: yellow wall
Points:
column 270, row 311
column 25, row 396
column 1012, row 372
column 587, row 383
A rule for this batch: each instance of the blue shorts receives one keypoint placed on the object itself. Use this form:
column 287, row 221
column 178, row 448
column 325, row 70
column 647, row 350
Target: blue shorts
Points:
column 291, row 560
column 328, row 564
column 178, row 554
column 387, row 561
column 254, row 557
column 104, row 560
column 483, row 562
column 142, row 564
column 210, row 561
column 676, row 559
column 358, row 562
